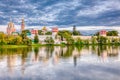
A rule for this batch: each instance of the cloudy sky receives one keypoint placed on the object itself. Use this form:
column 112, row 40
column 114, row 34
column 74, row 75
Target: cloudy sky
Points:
column 61, row 12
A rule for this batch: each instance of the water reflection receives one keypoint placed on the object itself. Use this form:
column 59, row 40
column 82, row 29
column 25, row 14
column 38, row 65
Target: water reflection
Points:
column 50, row 55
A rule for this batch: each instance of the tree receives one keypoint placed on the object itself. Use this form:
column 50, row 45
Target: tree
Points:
column 48, row 33
column 75, row 32
column 96, row 34
column 112, row 33
column 67, row 35
column 17, row 40
column 49, row 40
column 102, row 40
column 36, row 39
column 2, row 38
column 40, row 32
column 78, row 41
column 64, row 34
column 24, row 34
column 27, row 41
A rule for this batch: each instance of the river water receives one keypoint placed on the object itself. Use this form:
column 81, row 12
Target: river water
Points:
column 60, row 63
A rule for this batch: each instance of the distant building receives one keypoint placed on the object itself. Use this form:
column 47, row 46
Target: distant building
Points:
column 22, row 25
column 44, row 30
column 10, row 28
column 34, row 31
column 74, row 28
column 103, row 33
column 54, row 32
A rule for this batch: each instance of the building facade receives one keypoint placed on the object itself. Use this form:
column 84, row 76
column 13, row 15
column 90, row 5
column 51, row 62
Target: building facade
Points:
column 10, row 28
column 22, row 25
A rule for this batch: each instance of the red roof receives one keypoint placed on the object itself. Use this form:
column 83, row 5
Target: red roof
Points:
column 55, row 29
column 102, row 32
column 33, row 31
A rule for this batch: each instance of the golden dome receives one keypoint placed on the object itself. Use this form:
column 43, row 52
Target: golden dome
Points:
column 10, row 24
column 44, row 28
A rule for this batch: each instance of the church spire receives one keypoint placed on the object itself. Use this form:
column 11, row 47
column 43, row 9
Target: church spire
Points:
column 22, row 24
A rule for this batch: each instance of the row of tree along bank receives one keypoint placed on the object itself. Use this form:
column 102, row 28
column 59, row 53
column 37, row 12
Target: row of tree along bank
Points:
column 66, row 37
column 94, row 40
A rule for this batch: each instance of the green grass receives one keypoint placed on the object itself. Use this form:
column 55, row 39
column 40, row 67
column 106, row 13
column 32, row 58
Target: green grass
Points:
column 39, row 45
column 13, row 46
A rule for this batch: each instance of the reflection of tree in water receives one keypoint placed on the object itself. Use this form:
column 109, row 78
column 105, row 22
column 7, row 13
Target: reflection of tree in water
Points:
column 36, row 51
column 79, row 48
column 113, row 51
column 49, row 51
column 24, row 55
column 12, row 54
column 68, row 52
column 12, row 51
column 101, row 48
column 109, row 50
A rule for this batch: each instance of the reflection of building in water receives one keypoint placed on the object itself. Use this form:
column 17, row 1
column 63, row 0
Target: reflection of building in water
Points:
column 23, row 60
column 11, row 62
column 75, row 55
column 39, row 55
column 56, row 55
column 104, row 56
column 48, row 55
column 113, row 51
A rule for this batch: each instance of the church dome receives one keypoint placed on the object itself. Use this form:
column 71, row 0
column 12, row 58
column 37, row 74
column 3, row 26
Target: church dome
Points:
column 10, row 24
column 44, row 28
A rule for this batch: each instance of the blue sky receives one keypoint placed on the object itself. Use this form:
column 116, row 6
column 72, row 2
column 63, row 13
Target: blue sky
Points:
column 61, row 12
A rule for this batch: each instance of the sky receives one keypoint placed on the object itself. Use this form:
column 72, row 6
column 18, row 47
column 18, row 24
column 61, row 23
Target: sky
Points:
column 61, row 13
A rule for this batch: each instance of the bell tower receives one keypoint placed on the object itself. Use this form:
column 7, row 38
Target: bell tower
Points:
column 22, row 25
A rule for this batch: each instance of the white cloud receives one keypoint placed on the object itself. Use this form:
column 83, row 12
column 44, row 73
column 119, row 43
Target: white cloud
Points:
column 100, row 7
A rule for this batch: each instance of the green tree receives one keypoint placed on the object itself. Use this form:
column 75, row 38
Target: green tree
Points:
column 40, row 32
column 36, row 39
column 24, row 34
column 26, row 41
column 76, row 33
column 17, row 40
column 112, row 33
column 78, row 41
column 96, row 34
column 49, row 40
column 102, row 40
column 48, row 33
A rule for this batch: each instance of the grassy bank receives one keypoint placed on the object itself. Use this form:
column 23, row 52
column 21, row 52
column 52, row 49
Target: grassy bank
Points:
column 40, row 45
column 13, row 46
column 33, row 45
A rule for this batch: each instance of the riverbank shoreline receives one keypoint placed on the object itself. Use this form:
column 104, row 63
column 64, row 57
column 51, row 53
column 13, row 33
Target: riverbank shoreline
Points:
column 40, row 45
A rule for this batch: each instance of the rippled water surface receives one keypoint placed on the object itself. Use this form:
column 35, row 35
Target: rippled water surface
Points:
column 60, row 63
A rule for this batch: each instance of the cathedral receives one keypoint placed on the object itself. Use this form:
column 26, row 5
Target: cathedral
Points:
column 10, row 28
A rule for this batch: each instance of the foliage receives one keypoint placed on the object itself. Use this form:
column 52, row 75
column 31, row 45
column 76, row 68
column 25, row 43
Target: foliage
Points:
column 36, row 39
column 67, row 35
column 40, row 32
column 15, row 40
column 78, row 41
column 102, row 40
column 96, row 34
column 76, row 33
column 112, row 33
column 48, row 33
column 49, row 40
column 109, row 33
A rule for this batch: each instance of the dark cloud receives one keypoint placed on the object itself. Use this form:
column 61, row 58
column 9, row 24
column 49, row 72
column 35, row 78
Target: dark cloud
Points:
column 61, row 12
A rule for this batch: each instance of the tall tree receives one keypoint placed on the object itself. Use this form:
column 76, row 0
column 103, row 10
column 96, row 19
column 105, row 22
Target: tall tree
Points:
column 112, row 33
column 36, row 39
